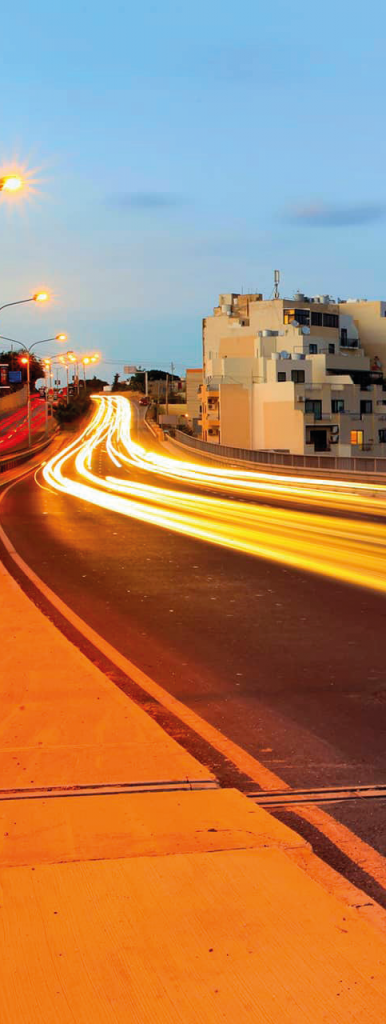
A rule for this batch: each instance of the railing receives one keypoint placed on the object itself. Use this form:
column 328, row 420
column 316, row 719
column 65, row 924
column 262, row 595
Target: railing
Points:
column 349, row 463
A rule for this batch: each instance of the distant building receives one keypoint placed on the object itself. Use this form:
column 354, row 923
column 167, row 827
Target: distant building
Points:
column 302, row 375
column 194, row 379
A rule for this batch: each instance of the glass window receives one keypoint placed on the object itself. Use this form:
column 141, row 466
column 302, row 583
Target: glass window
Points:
column 337, row 405
column 315, row 407
column 330, row 320
column 382, row 436
column 356, row 437
column 302, row 316
column 316, row 319
column 366, row 406
column 313, row 349
column 331, row 348
column 281, row 375
column 298, row 376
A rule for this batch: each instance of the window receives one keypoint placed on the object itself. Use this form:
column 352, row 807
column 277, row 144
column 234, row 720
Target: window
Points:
column 382, row 436
column 337, row 405
column 316, row 319
column 313, row 349
column 281, row 375
column 366, row 406
column 331, row 348
column 302, row 316
column 315, row 407
column 298, row 376
column 330, row 320
column 356, row 437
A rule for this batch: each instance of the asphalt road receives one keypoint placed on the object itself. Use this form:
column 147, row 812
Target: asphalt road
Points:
column 289, row 665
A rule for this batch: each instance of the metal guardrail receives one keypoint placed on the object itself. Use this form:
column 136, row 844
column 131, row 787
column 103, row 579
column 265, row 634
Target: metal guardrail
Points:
column 350, row 463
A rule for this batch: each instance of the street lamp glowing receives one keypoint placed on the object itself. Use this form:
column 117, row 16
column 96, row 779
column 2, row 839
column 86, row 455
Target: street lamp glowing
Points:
column 86, row 360
column 61, row 337
column 24, row 360
column 10, row 183
column 41, row 297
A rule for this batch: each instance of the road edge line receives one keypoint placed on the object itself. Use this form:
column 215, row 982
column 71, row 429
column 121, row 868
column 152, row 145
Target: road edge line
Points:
column 240, row 758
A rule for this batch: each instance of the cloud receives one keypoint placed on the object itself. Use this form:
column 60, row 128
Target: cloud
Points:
column 145, row 200
column 324, row 215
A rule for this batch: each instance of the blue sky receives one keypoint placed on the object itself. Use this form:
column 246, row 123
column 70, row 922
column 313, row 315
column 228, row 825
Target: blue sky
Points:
column 185, row 150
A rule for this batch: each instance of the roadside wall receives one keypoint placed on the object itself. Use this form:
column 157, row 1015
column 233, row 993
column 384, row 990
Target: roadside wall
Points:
column 11, row 402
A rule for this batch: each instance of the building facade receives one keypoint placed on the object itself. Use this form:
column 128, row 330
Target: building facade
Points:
column 292, row 375
column 194, row 380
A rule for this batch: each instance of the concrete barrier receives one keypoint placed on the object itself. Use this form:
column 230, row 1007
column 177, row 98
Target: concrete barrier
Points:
column 9, row 403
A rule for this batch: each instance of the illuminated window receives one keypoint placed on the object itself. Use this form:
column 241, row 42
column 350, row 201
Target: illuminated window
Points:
column 302, row 316
column 356, row 437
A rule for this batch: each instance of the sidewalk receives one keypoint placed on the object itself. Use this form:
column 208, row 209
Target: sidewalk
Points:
column 131, row 887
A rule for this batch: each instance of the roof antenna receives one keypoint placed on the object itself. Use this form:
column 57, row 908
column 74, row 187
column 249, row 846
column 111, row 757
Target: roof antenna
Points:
column 277, row 282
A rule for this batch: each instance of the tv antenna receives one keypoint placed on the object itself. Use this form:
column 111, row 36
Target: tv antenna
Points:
column 276, row 284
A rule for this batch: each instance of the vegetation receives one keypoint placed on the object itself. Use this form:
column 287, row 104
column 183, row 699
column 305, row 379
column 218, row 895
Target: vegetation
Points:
column 13, row 359
column 185, row 429
column 96, row 384
column 76, row 407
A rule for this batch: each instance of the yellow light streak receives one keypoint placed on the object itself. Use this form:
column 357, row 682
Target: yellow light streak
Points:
column 348, row 549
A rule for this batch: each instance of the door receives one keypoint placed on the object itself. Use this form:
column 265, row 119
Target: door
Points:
column 319, row 440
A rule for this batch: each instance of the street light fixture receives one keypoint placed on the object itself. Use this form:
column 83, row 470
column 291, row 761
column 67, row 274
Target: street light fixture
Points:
column 11, row 183
column 38, row 297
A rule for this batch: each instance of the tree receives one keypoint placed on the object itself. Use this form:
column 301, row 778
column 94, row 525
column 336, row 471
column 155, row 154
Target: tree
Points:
column 115, row 384
column 13, row 359
column 95, row 384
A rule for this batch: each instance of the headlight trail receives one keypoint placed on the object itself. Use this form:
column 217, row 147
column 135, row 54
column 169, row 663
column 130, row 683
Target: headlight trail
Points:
column 347, row 549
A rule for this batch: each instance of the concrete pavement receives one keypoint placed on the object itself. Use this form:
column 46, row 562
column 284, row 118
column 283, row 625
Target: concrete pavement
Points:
column 128, row 895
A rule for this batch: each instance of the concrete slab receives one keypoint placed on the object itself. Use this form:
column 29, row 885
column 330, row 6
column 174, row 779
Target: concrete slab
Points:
column 236, row 936
column 63, row 722
column 59, row 829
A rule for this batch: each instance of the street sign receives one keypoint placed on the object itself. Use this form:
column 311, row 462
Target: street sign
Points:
column 129, row 369
column 14, row 376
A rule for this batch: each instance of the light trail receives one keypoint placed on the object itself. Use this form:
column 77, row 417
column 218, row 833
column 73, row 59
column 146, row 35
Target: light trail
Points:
column 347, row 549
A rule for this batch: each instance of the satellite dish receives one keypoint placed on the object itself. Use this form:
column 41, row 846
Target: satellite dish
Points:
column 284, row 355
column 294, row 323
column 306, row 330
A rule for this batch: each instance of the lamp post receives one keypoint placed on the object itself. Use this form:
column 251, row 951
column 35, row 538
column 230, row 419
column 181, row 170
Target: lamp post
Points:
column 25, row 360
column 38, row 297
column 85, row 362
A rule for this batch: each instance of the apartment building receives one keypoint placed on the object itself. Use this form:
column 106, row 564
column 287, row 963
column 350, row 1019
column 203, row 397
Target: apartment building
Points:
column 194, row 380
column 292, row 375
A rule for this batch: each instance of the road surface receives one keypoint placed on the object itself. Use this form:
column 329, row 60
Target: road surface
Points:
column 289, row 664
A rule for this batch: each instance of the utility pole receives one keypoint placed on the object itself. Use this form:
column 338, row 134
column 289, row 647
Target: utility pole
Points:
column 167, row 394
